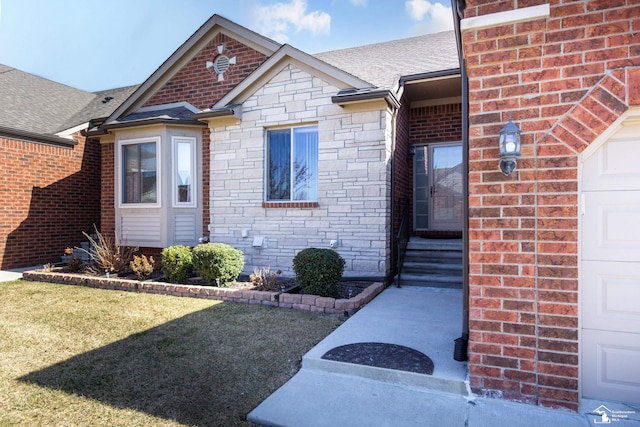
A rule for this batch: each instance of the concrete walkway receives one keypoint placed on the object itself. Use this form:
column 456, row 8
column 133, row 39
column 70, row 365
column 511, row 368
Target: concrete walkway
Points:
column 9, row 275
column 330, row 393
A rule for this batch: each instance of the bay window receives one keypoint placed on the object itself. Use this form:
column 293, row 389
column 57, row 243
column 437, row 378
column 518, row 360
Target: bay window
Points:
column 139, row 171
column 184, row 171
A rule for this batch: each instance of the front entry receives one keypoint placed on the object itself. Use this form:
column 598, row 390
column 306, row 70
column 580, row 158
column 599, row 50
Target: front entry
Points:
column 437, row 187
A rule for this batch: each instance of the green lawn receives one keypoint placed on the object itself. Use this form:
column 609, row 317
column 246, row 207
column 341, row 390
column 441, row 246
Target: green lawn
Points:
column 75, row 356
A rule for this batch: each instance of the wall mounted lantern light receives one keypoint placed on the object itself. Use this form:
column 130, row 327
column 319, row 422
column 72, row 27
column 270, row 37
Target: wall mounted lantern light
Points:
column 509, row 143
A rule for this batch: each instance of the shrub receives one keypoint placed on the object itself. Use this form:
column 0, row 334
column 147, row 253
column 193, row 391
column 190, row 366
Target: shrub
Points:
column 107, row 255
column 142, row 266
column 218, row 261
column 318, row 271
column 264, row 280
column 75, row 265
column 177, row 263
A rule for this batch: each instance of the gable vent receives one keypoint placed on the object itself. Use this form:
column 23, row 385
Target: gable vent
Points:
column 221, row 64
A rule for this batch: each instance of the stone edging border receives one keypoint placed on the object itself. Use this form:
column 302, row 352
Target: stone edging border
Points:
column 275, row 299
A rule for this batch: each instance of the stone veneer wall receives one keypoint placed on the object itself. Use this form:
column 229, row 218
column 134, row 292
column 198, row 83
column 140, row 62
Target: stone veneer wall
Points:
column 353, row 183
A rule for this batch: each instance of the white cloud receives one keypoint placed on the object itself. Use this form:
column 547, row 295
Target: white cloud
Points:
column 431, row 17
column 278, row 19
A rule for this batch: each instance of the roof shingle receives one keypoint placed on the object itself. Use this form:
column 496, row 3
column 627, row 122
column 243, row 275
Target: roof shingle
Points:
column 382, row 64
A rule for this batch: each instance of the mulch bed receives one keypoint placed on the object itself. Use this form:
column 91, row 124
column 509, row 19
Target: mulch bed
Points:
column 346, row 289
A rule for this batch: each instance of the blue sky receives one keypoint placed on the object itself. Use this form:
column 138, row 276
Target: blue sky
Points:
column 102, row 44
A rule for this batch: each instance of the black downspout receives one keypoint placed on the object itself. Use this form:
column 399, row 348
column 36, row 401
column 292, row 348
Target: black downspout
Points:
column 461, row 344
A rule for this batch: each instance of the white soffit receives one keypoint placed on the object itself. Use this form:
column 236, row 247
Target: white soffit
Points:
column 503, row 18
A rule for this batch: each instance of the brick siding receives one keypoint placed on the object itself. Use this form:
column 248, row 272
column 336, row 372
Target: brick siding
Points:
column 436, row 123
column 199, row 85
column 563, row 80
column 49, row 196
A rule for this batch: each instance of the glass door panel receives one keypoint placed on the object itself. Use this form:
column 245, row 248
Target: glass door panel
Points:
column 437, row 187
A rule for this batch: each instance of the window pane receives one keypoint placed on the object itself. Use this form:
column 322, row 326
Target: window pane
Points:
column 305, row 164
column 279, row 165
column 139, row 181
column 130, row 183
column 184, row 178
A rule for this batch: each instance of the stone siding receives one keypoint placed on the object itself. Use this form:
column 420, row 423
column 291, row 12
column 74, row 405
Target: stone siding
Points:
column 353, row 179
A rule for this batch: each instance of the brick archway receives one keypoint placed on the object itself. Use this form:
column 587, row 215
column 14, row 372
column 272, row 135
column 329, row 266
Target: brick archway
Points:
column 598, row 109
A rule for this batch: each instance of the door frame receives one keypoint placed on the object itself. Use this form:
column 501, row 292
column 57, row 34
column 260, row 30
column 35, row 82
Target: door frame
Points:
column 430, row 148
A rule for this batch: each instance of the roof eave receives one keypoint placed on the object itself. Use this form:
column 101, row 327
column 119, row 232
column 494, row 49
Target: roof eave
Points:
column 228, row 111
column 350, row 98
column 148, row 122
column 451, row 72
column 23, row 135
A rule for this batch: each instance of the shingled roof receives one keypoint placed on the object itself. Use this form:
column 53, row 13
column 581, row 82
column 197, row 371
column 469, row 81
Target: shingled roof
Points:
column 38, row 106
column 382, row 64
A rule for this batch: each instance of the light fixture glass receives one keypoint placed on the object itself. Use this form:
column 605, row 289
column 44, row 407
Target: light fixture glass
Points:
column 509, row 147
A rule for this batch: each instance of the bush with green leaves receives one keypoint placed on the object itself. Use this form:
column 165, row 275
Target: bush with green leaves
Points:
column 218, row 261
column 318, row 271
column 177, row 263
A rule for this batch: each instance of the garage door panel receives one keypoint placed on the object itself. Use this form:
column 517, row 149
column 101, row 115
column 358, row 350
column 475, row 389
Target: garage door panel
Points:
column 610, row 267
column 614, row 166
column 614, row 357
column 612, row 226
column 611, row 296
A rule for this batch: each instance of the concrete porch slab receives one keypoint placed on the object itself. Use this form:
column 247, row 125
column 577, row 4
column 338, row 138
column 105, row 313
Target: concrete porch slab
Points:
column 425, row 319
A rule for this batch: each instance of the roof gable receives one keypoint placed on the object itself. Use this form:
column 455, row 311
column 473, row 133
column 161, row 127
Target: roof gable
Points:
column 202, row 38
column 288, row 55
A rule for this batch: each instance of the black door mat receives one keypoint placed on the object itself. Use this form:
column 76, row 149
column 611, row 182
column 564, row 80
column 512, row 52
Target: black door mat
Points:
column 381, row 355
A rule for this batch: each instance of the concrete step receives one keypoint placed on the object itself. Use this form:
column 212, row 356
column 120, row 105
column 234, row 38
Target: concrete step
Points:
column 431, row 280
column 434, row 256
column 434, row 244
column 432, row 268
column 426, row 320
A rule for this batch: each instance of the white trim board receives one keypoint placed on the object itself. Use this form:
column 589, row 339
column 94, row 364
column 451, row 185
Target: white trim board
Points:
column 503, row 18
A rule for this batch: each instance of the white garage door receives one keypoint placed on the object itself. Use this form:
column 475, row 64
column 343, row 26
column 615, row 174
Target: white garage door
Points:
column 610, row 268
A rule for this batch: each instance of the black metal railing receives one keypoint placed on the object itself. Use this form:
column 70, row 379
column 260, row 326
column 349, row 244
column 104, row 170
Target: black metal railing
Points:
column 404, row 232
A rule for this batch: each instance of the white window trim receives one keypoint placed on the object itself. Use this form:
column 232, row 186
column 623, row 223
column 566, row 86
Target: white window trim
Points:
column 118, row 190
column 194, row 172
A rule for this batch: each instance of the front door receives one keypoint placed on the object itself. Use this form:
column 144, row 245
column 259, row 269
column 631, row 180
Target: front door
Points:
column 438, row 202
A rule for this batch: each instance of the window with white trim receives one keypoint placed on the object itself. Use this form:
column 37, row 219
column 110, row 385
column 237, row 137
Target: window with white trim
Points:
column 184, row 171
column 292, row 164
column 140, row 174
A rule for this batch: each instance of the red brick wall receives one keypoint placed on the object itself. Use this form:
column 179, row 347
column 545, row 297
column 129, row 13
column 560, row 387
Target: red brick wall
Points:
column 107, row 199
column 555, row 77
column 403, row 166
column 437, row 123
column 199, row 85
column 49, row 196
